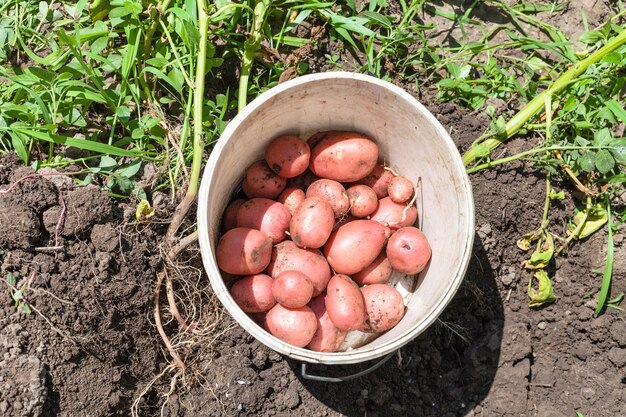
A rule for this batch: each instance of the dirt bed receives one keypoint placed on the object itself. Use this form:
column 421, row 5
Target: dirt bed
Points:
column 91, row 270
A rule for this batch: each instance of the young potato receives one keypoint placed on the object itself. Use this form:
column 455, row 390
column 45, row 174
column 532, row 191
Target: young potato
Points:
column 254, row 293
column 344, row 304
column 363, row 200
column 295, row 326
column 408, row 250
column 260, row 181
column 400, row 190
column 333, row 193
column 355, row 245
column 291, row 198
column 286, row 256
column 312, row 223
column 393, row 214
column 243, row 251
column 384, row 306
column 378, row 272
column 292, row 289
column 265, row 215
column 229, row 220
column 288, row 156
column 378, row 181
column 328, row 337
column 344, row 156
column 303, row 180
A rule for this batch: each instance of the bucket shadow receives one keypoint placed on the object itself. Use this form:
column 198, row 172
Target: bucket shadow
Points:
column 445, row 371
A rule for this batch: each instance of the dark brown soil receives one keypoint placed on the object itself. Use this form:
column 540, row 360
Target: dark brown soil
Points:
column 488, row 355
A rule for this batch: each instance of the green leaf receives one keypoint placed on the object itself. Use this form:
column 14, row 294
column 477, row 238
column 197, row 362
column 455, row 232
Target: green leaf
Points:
column 587, row 161
column 11, row 279
column 544, row 294
column 377, row 18
column 619, row 150
column 604, row 161
column 85, row 144
column 560, row 196
column 616, row 109
column 608, row 268
column 602, row 137
column 18, row 144
column 99, row 9
column 26, row 308
column 130, row 170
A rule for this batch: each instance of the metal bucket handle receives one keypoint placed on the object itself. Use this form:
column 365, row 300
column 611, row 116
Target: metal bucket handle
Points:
column 321, row 378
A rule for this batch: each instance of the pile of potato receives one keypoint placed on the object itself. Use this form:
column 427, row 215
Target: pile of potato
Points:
column 311, row 250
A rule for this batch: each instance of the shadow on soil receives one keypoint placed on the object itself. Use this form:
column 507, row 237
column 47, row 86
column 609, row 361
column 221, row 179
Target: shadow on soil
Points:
column 446, row 371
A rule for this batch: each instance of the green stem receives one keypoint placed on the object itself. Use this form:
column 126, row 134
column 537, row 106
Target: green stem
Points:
column 251, row 47
column 608, row 268
column 513, row 126
column 155, row 15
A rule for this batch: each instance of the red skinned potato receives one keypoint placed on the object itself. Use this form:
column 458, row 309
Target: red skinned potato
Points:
column 265, row 215
column 243, row 251
column 408, row 250
column 312, row 223
column 355, row 245
column 363, row 200
column 327, row 337
column 393, row 214
column 384, row 306
column 302, row 181
column 260, row 181
column 295, row 326
column 344, row 156
column 292, row 289
column 288, row 156
column 333, row 193
column 378, row 272
column 254, row 293
column 286, row 256
column 229, row 220
column 400, row 190
column 378, row 181
column 291, row 198
column 345, row 304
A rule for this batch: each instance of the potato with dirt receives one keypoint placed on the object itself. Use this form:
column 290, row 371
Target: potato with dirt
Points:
column 394, row 215
column 378, row 272
column 295, row 326
column 288, row 156
column 244, row 251
column 400, row 190
column 286, row 256
column 260, row 181
column 312, row 223
column 327, row 337
column 333, row 193
column 265, row 215
column 408, row 250
column 363, row 200
column 229, row 219
column 384, row 307
column 355, row 245
column 291, row 198
column 344, row 156
column 292, row 289
column 344, row 304
column 254, row 293
column 378, row 180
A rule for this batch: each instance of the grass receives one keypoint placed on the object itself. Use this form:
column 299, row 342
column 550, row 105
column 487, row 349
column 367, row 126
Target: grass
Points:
column 115, row 85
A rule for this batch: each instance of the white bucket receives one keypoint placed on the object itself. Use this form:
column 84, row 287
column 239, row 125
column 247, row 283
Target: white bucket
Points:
column 411, row 141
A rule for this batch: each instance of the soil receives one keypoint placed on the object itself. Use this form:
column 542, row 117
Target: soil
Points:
column 92, row 349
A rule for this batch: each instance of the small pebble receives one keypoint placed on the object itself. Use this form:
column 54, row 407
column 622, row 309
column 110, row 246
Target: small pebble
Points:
column 542, row 325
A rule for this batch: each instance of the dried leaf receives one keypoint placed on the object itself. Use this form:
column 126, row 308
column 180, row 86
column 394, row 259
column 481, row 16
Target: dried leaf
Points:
column 527, row 240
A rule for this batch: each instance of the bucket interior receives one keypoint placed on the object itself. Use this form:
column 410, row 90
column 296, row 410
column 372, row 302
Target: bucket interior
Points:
column 410, row 141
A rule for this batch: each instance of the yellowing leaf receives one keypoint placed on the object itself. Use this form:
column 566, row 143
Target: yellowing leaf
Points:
column 592, row 220
column 527, row 240
column 543, row 254
column 544, row 294
column 144, row 211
